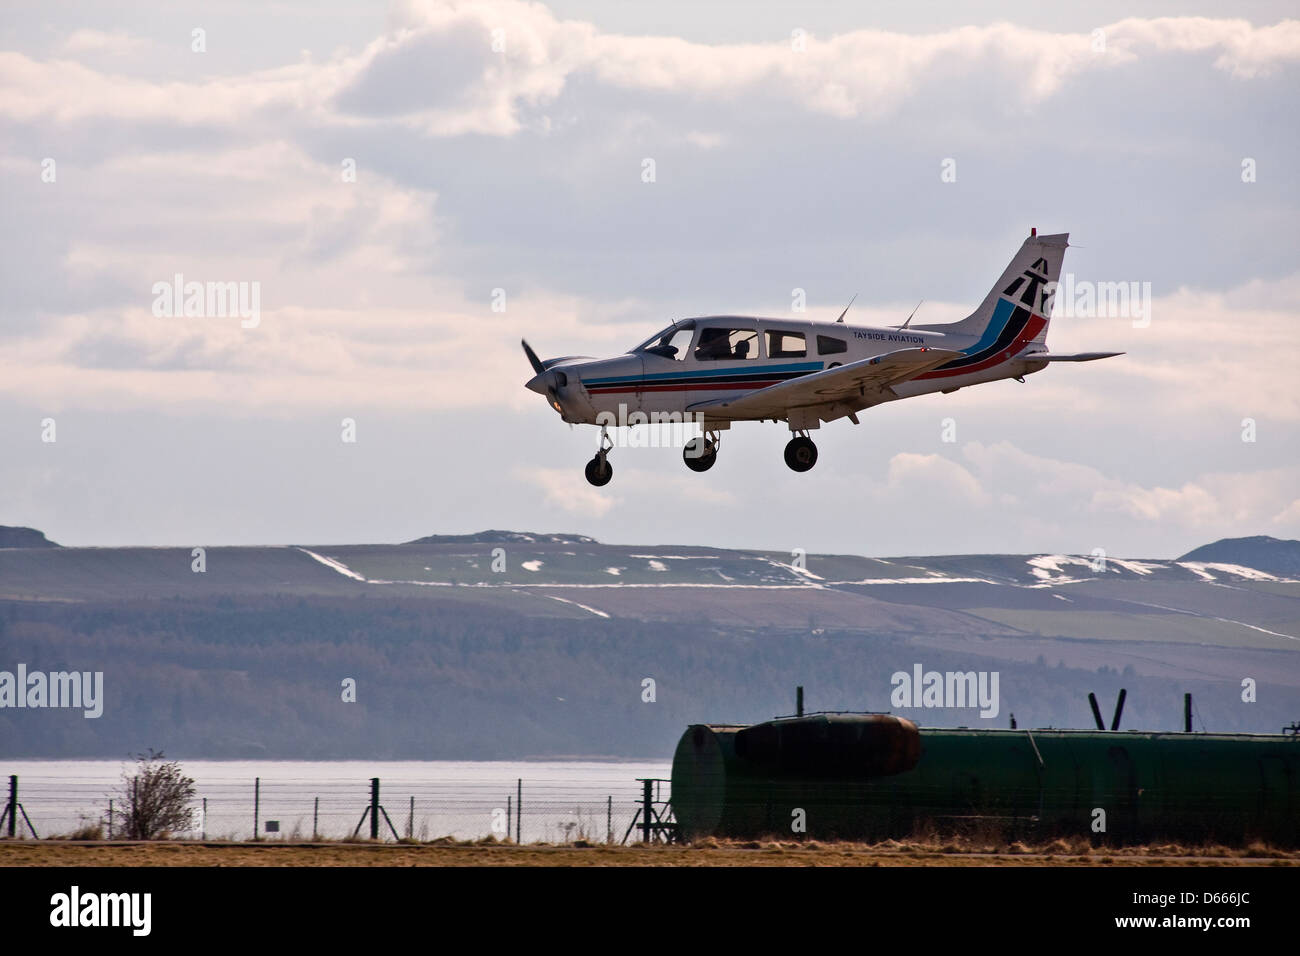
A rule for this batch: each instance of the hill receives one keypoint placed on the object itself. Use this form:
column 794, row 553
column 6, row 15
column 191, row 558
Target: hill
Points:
column 1261, row 552
column 11, row 537
column 513, row 644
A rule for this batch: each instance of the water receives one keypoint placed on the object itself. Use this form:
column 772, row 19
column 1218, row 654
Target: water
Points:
column 562, row 800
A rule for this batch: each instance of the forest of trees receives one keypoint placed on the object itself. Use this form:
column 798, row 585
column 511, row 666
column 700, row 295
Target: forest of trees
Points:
column 264, row 677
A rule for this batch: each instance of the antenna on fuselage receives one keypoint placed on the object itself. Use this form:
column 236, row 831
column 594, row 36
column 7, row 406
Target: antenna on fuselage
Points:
column 909, row 318
column 846, row 309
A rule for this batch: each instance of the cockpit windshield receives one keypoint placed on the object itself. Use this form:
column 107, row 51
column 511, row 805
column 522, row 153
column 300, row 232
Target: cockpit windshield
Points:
column 671, row 342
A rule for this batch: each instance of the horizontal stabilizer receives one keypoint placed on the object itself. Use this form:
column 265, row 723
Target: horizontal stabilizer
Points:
column 1073, row 357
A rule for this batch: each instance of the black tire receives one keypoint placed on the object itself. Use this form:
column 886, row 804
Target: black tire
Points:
column 598, row 475
column 800, row 453
column 698, row 462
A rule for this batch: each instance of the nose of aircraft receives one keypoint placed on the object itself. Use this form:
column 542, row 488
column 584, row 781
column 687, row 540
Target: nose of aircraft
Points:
column 539, row 383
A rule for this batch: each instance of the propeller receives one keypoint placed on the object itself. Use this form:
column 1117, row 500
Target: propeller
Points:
column 533, row 360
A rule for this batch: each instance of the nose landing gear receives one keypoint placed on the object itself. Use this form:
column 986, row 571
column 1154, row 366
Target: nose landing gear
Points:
column 801, row 453
column 701, row 453
column 599, row 470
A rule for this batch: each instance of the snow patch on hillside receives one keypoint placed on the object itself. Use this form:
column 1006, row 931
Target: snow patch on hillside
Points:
column 1236, row 570
column 338, row 566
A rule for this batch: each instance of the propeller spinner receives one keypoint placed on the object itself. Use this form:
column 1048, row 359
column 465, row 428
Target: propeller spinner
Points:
column 545, row 382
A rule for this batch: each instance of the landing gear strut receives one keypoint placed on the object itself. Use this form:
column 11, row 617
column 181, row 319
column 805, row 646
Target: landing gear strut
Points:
column 801, row 453
column 700, row 453
column 599, row 470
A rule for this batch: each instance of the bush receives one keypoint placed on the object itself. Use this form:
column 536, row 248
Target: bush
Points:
column 157, row 798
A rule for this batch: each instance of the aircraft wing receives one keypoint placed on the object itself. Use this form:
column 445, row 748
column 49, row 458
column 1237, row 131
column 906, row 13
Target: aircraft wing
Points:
column 844, row 382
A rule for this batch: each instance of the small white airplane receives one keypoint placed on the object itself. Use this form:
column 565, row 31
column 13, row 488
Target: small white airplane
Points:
column 728, row 368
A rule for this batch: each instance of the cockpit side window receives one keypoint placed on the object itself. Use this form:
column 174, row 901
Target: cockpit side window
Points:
column 828, row 345
column 786, row 344
column 724, row 344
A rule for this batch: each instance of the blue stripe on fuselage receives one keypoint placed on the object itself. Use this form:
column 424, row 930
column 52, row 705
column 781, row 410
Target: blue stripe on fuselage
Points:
column 752, row 369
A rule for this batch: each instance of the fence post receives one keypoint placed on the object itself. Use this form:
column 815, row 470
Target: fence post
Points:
column 646, row 824
column 374, row 808
column 315, row 820
column 410, row 821
column 257, row 804
column 13, row 803
column 110, row 818
column 203, row 830
column 519, row 809
column 609, row 819
column 510, row 823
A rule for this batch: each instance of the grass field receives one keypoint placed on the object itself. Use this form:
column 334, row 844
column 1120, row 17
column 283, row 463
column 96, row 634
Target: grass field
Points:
column 50, row 853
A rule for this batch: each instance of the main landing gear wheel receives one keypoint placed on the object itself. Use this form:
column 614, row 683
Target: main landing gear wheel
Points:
column 700, row 454
column 801, row 453
column 599, row 471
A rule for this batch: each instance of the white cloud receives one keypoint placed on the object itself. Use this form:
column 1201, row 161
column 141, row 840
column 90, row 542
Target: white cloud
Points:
column 567, row 490
column 918, row 477
column 113, row 43
column 436, row 69
column 1211, row 502
column 1243, row 49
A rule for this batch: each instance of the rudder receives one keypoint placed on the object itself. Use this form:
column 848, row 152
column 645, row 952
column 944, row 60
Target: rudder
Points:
column 1027, row 281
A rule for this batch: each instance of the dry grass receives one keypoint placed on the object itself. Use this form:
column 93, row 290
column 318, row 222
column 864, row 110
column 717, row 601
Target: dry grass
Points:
column 948, row 851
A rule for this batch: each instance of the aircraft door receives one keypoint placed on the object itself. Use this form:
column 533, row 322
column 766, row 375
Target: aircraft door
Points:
column 637, row 402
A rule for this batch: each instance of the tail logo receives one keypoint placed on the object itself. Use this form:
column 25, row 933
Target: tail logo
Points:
column 1032, row 287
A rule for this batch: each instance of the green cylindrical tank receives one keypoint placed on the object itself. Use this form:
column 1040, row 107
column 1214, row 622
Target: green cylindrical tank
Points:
column 1146, row 785
column 737, row 780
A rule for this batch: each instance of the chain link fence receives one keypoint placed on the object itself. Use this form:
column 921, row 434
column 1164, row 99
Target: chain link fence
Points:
column 593, row 807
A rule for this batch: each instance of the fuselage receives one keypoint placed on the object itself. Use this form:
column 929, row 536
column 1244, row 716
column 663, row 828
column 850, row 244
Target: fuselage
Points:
column 725, row 357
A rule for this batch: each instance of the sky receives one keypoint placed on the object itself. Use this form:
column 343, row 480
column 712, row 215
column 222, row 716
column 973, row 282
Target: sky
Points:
column 412, row 187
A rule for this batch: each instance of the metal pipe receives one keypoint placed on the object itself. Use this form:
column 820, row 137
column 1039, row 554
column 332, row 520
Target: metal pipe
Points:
column 1096, row 711
column 1119, row 709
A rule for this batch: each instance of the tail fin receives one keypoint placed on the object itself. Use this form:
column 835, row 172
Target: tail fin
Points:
column 1027, row 283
